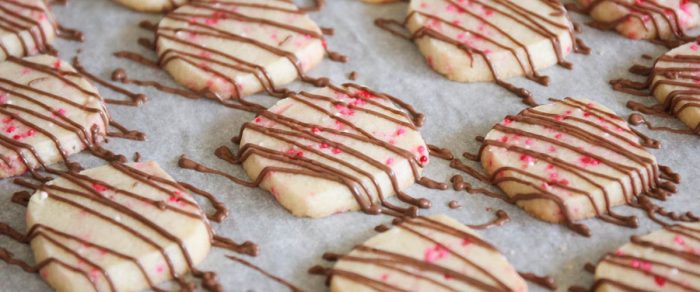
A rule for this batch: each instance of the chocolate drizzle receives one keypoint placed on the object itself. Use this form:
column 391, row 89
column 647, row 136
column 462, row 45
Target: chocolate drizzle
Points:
column 648, row 172
column 647, row 263
column 25, row 22
column 93, row 190
column 667, row 70
column 542, row 281
column 215, row 60
column 524, row 18
column 425, row 229
column 673, row 32
column 135, row 99
column 295, row 130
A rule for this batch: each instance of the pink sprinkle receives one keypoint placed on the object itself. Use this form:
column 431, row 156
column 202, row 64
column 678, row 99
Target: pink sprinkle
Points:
column 694, row 47
column 423, row 159
column 400, row 132
column 504, row 139
column 660, row 281
column 552, row 149
column 16, row 137
column 384, row 277
column 99, row 187
column 679, row 240
column 336, row 150
column 558, row 136
column 421, row 149
column 466, row 242
column 389, row 161
column 323, row 145
column 435, row 253
column 586, row 160
column 258, row 120
column 315, row 130
column 61, row 111
column 57, row 65
column 507, row 121
column 10, row 129
column 527, row 158
column 528, row 142
column 160, row 269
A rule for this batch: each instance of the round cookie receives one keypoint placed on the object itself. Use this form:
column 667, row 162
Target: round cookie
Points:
column 333, row 150
column 115, row 228
column 568, row 160
column 47, row 112
column 435, row 253
column 658, row 19
column 152, row 5
column 674, row 83
column 664, row 260
column 235, row 49
column 26, row 28
column 487, row 40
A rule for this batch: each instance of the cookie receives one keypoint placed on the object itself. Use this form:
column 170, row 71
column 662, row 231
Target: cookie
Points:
column 674, row 84
column 333, row 150
column 115, row 228
column 152, row 5
column 434, row 253
column 238, row 49
column 664, row 20
column 26, row 28
column 569, row 160
column 47, row 112
column 664, row 260
column 488, row 40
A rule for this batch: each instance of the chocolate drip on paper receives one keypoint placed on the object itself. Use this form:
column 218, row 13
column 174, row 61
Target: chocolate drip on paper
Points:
column 501, row 218
column 21, row 198
column 405, row 264
column 265, row 273
column 542, row 281
column 641, row 11
column 525, row 18
column 673, row 69
column 135, row 99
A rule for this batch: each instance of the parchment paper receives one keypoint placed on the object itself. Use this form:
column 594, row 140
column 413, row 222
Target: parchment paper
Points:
column 456, row 113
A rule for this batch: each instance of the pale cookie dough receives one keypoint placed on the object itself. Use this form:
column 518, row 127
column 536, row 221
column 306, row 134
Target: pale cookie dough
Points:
column 152, row 5
column 436, row 253
column 675, row 85
column 652, row 19
column 115, row 228
column 333, row 150
column 26, row 28
column 665, row 260
column 487, row 40
column 568, row 160
column 238, row 49
column 46, row 108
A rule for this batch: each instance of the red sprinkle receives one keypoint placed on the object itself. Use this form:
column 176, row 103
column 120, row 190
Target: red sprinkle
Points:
column 661, row 281
column 99, row 187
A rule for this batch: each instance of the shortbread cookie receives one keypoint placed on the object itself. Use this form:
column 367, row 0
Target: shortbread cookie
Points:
column 333, row 150
column 234, row 49
column 434, row 253
column 26, row 28
column 665, row 260
column 47, row 112
column 664, row 20
column 152, row 5
column 675, row 85
column 115, row 228
column 488, row 40
column 568, row 160
column 380, row 1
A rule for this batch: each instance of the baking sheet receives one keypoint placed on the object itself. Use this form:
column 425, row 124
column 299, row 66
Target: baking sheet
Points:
column 456, row 113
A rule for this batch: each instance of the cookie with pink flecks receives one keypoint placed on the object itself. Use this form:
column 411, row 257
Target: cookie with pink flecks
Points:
column 26, row 28
column 238, row 48
column 435, row 253
column 664, row 260
column 333, row 150
column 488, row 40
column 569, row 160
column 664, row 20
column 152, row 5
column 47, row 112
column 120, row 227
